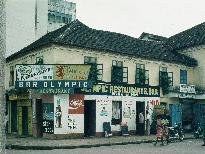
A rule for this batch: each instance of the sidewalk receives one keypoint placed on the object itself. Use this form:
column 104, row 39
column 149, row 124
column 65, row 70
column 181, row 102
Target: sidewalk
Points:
column 47, row 144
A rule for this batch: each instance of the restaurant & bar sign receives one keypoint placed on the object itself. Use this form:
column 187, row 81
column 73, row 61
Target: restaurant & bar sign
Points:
column 118, row 90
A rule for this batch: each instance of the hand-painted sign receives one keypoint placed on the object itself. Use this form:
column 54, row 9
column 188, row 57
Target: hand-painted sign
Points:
column 125, row 90
column 34, row 72
column 76, row 104
column 71, row 72
column 48, row 118
column 53, row 84
column 52, row 72
column 187, row 88
column 56, row 91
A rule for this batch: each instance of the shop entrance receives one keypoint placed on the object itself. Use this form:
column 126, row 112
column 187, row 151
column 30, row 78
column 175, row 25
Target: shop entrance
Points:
column 89, row 118
column 39, row 117
column 25, row 120
column 24, row 110
column 140, row 118
column 187, row 116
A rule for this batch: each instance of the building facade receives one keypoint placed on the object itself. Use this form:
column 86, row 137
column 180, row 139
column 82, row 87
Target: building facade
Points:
column 130, row 76
column 191, row 43
column 37, row 18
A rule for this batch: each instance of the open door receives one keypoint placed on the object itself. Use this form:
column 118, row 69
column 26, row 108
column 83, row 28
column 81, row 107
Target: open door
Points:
column 140, row 118
column 89, row 118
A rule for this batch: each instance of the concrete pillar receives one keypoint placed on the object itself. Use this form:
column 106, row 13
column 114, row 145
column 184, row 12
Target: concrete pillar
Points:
column 2, row 75
column 34, row 120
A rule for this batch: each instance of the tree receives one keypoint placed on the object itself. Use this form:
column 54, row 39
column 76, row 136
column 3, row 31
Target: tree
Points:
column 93, row 75
column 142, row 77
column 2, row 74
column 165, row 82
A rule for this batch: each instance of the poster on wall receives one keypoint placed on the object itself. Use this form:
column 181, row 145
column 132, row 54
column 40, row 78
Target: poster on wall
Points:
column 71, row 72
column 76, row 104
column 48, row 118
column 60, row 113
column 129, row 113
column 68, row 118
column 103, row 112
column 75, row 123
column 151, row 103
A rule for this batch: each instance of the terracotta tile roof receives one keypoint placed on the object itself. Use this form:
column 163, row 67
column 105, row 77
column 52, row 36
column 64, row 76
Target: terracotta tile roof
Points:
column 189, row 38
column 77, row 34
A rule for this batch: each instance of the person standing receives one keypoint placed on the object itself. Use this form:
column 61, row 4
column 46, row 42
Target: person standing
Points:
column 141, row 123
column 148, row 124
column 160, row 131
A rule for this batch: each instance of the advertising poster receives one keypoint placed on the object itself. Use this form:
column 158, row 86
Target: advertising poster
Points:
column 75, row 123
column 60, row 113
column 48, row 118
column 71, row 72
column 103, row 112
column 129, row 113
column 151, row 103
column 76, row 104
column 68, row 118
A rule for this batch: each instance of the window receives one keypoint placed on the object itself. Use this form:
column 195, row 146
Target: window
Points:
column 183, row 77
column 90, row 60
column 119, row 73
column 117, row 63
column 163, row 74
column 11, row 82
column 51, row 17
column 96, row 70
column 142, row 75
column 116, row 112
column 58, row 19
column 39, row 60
column 163, row 69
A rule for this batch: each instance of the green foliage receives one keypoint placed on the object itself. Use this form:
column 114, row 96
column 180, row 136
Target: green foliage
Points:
column 154, row 123
column 93, row 75
column 165, row 82
column 142, row 76
column 117, row 74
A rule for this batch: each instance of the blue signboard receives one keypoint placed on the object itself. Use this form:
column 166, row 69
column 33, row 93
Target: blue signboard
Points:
column 53, row 84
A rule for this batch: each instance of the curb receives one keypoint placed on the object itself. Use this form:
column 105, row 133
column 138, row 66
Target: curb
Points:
column 23, row 147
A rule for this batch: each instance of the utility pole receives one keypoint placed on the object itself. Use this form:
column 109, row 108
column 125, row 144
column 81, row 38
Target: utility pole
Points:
column 2, row 74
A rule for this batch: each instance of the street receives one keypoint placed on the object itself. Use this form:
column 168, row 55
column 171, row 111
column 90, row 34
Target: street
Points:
column 185, row 147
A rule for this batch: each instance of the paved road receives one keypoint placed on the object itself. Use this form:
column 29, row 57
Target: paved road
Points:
column 185, row 147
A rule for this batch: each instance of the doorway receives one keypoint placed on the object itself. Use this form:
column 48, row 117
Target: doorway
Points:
column 39, row 117
column 140, row 118
column 24, row 120
column 89, row 118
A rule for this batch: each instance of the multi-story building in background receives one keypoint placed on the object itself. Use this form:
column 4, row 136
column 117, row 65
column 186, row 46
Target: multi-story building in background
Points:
column 27, row 21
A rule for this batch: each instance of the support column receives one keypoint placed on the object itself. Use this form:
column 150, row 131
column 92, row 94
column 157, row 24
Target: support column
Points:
column 35, row 133
column 2, row 75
